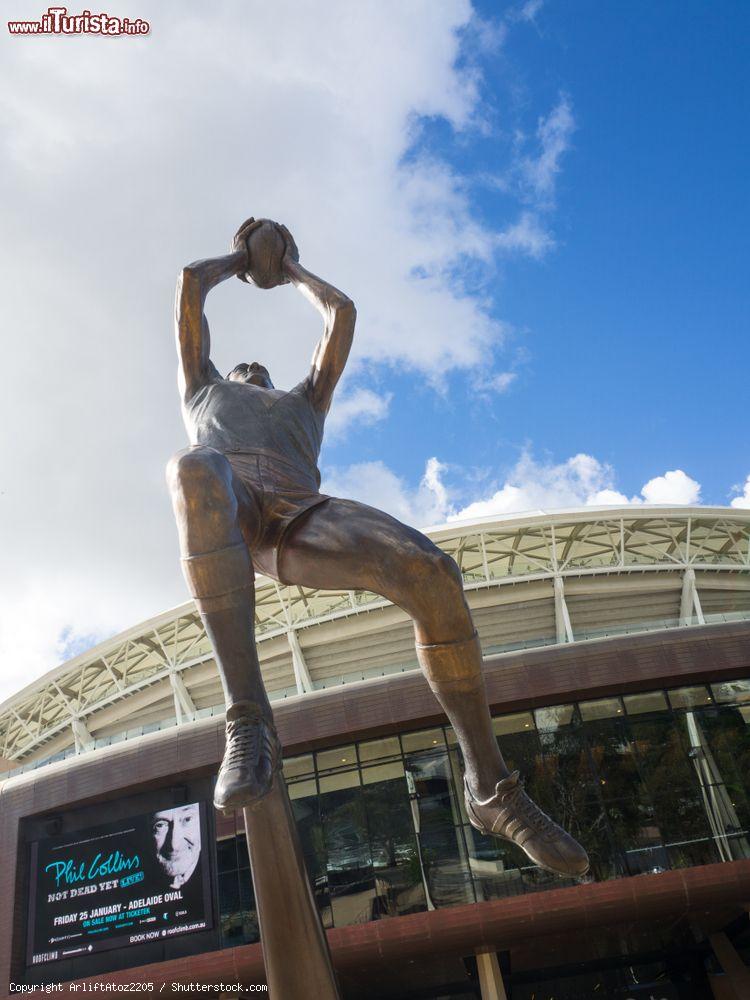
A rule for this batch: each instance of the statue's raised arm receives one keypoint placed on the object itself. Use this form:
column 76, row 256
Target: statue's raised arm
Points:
column 191, row 326
column 339, row 317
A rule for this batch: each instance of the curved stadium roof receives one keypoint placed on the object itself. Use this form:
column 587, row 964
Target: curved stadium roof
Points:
column 531, row 579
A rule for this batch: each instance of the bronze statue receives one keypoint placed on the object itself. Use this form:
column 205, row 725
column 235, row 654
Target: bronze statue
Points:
column 246, row 496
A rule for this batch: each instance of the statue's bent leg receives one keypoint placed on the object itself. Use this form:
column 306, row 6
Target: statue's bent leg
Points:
column 344, row 544
column 208, row 504
column 349, row 545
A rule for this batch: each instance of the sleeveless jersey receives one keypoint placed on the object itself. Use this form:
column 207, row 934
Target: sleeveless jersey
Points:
column 237, row 417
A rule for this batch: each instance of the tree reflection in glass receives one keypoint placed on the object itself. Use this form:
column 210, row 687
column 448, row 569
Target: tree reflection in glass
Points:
column 306, row 809
column 351, row 881
column 441, row 838
column 564, row 786
column 673, row 788
column 393, row 844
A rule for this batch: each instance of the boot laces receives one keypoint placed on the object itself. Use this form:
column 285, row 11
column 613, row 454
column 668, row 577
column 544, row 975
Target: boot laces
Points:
column 246, row 739
column 518, row 800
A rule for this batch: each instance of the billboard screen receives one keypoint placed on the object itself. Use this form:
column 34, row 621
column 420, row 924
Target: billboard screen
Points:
column 139, row 879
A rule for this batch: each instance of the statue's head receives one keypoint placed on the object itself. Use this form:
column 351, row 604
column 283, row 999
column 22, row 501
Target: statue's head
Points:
column 254, row 373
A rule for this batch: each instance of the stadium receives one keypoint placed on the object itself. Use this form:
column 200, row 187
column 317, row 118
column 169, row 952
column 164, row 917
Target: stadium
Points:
column 616, row 647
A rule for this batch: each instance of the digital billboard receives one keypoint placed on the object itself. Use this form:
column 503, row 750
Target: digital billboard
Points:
column 139, row 879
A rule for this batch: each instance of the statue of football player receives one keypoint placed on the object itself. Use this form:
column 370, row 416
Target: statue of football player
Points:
column 246, row 497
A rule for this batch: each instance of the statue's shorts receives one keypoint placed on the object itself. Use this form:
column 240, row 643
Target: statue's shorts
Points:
column 273, row 493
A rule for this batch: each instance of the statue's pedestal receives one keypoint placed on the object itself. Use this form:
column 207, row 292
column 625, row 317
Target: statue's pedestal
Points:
column 295, row 950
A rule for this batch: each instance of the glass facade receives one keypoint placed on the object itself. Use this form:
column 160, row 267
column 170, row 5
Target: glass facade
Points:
column 646, row 782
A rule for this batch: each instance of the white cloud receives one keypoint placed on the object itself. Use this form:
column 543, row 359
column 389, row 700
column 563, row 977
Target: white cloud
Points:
column 52, row 616
column 607, row 498
column 527, row 236
column 503, row 381
column 530, row 485
column 743, row 500
column 432, row 482
column 494, row 384
column 526, row 11
column 533, row 485
column 539, row 173
column 362, row 406
column 124, row 160
column 532, row 177
column 674, row 487
column 579, row 481
column 375, row 484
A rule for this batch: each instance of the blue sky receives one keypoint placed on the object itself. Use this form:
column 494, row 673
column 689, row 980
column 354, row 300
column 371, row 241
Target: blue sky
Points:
column 538, row 207
column 634, row 326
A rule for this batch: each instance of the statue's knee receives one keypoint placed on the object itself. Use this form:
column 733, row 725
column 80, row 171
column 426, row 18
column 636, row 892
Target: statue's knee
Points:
column 445, row 570
column 443, row 587
column 198, row 470
column 441, row 613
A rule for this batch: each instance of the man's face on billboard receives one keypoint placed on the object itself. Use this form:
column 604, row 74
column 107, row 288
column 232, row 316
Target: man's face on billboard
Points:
column 177, row 841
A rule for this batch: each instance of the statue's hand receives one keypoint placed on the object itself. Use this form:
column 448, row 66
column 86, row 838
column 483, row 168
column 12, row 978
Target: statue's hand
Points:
column 291, row 253
column 239, row 242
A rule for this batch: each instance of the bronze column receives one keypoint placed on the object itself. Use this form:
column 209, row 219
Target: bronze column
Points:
column 295, row 949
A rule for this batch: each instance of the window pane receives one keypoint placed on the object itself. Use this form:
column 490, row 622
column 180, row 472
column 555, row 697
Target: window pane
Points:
column 446, row 865
column 650, row 701
column 517, row 723
column 399, row 885
column 613, row 759
column 689, row 696
column 248, row 913
column 238, row 919
column 603, row 708
column 455, row 767
column 302, row 789
column 554, row 716
column 349, row 864
column 306, row 810
column 564, row 786
column 670, row 776
column 424, row 740
column 375, row 749
column 686, row 853
column 226, row 854
column 229, row 896
column 243, row 855
column 495, row 865
column 521, row 751
column 563, row 763
column 225, row 825
column 343, row 779
column 722, row 741
column 431, row 775
column 339, row 757
column 732, row 691
column 295, row 767
column 636, row 835
column 383, row 772
column 588, row 823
